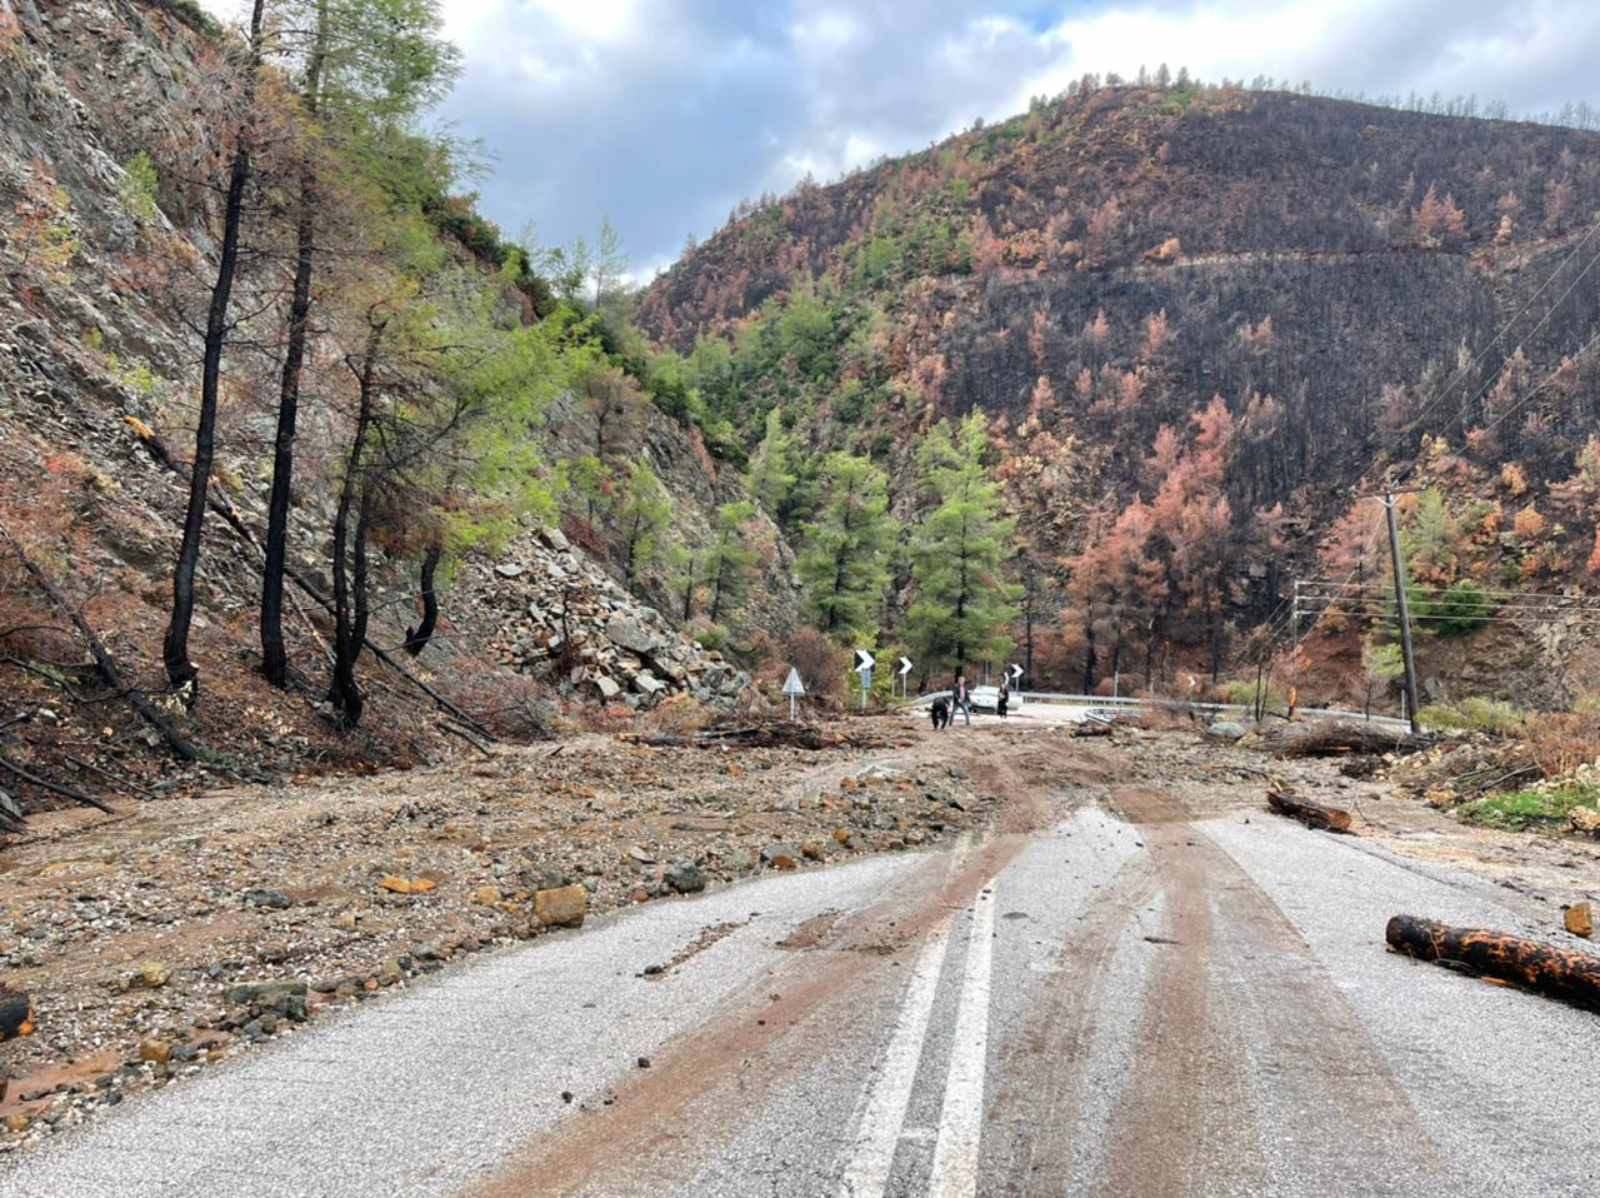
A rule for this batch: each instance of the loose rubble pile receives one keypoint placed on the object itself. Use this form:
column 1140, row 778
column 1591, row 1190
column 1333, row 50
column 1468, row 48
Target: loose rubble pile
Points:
column 563, row 618
column 154, row 946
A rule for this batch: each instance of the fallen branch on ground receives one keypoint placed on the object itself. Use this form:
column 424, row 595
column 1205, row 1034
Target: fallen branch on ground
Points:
column 467, row 735
column 1312, row 815
column 65, row 792
column 1558, row 973
column 105, row 666
column 776, row 735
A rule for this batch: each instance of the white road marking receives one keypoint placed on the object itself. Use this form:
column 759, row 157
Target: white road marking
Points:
column 955, row 1156
column 868, row 1173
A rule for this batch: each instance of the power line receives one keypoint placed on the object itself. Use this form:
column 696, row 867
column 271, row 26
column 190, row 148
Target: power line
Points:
column 1504, row 416
column 1506, row 328
column 1391, row 616
column 1552, row 596
column 1496, row 372
column 1459, row 602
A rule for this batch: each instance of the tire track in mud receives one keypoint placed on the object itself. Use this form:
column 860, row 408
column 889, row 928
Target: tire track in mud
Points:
column 1245, row 1070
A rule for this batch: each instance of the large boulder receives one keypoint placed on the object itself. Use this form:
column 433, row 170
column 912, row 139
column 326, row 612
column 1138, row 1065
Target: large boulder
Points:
column 628, row 633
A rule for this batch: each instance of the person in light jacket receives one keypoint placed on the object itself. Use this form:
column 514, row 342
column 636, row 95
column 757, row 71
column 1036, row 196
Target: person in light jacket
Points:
column 960, row 700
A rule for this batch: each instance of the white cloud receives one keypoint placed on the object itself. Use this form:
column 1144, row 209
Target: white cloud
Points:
column 664, row 113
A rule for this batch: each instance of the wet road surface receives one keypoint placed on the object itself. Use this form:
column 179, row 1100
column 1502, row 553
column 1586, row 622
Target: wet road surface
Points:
column 1118, row 1000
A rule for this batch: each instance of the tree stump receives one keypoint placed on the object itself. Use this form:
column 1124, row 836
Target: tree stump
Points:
column 16, row 1015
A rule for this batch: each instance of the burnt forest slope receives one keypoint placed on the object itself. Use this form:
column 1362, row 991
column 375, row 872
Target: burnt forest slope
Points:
column 102, row 284
column 1110, row 262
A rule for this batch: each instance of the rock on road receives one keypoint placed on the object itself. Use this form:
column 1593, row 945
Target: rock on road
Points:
column 1122, row 1001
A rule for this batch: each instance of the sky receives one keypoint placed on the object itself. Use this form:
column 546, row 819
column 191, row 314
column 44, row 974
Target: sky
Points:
column 662, row 114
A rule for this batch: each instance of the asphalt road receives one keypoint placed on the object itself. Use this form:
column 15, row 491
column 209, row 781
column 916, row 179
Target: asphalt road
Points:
column 1121, row 1002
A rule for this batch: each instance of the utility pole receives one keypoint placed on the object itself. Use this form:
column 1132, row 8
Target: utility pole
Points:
column 1404, row 610
column 1294, row 642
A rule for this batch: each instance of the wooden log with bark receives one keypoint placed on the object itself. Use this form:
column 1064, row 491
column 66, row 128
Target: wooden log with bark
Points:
column 1543, row 968
column 1312, row 815
column 1335, row 738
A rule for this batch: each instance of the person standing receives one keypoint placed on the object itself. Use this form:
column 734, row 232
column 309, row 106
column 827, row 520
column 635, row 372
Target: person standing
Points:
column 1004, row 699
column 960, row 700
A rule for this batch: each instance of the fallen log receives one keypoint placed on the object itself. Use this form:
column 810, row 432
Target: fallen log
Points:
column 66, row 792
column 776, row 735
column 1312, row 815
column 1556, row 972
column 1334, row 738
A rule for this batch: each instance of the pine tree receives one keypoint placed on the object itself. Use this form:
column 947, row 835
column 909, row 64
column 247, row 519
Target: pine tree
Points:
column 772, row 470
column 845, row 565
column 959, row 552
column 370, row 67
column 685, row 565
column 731, row 562
column 643, row 513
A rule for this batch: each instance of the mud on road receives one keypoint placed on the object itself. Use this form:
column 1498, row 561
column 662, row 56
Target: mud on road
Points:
column 130, row 931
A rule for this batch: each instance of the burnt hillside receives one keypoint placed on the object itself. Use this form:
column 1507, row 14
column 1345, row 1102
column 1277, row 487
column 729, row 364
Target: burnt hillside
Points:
column 1098, row 270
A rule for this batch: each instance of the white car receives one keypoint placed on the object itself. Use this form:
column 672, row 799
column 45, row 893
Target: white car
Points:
column 985, row 698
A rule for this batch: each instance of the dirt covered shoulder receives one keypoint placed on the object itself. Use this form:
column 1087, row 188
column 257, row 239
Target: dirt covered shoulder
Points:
column 177, row 933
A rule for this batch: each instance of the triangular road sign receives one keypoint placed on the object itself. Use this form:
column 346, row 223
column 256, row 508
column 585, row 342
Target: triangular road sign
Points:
column 794, row 686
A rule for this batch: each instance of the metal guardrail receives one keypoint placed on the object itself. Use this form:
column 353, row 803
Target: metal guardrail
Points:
column 1104, row 701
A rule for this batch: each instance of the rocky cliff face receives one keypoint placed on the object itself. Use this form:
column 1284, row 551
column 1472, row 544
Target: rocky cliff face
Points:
column 97, row 347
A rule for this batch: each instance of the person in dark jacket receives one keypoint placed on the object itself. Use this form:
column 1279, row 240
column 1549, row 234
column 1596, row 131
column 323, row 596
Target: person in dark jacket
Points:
column 1004, row 699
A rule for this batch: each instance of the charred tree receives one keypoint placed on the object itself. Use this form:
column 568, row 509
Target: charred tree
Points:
column 417, row 638
column 274, row 652
column 350, row 579
column 175, row 647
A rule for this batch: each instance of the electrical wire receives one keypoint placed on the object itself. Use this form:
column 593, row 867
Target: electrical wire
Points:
column 1506, row 328
column 1539, row 390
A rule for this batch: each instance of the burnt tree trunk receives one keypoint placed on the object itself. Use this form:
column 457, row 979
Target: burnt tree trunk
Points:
column 274, row 652
column 348, row 617
column 1558, row 973
column 417, row 638
column 175, row 646
column 230, row 515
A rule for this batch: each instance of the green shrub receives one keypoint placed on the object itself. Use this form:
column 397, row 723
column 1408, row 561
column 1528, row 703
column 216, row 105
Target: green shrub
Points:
column 192, row 15
column 138, row 191
column 1520, row 810
column 1472, row 715
column 1243, row 692
column 1463, row 608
